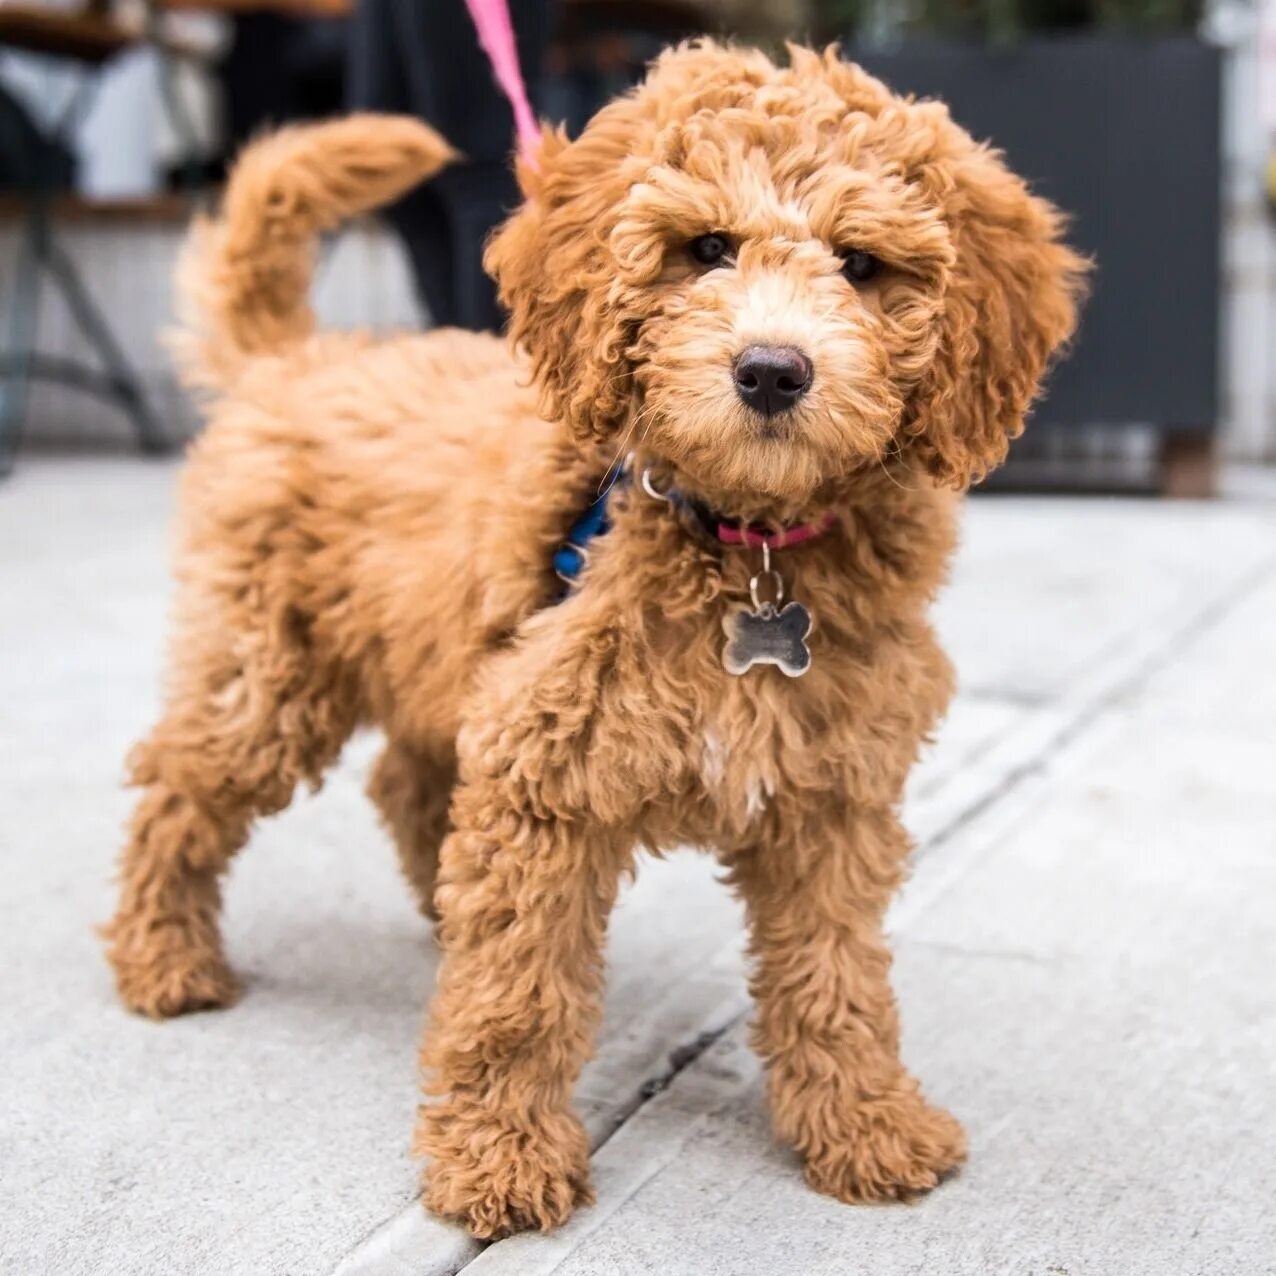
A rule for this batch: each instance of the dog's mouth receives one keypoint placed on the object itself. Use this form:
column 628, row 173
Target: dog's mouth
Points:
column 775, row 429
column 753, row 453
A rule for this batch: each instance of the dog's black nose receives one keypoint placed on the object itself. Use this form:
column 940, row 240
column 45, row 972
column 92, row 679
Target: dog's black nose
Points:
column 772, row 379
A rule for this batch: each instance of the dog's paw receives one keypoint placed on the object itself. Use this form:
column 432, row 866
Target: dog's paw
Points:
column 161, row 975
column 495, row 1179
column 897, row 1148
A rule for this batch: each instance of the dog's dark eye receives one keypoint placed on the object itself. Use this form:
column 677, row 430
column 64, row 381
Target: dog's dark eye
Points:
column 709, row 249
column 858, row 266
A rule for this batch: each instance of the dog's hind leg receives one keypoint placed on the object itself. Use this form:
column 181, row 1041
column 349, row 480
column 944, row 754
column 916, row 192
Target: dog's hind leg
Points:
column 413, row 789
column 252, row 711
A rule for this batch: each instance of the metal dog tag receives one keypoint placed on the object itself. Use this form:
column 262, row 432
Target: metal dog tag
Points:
column 768, row 636
column 773, row 633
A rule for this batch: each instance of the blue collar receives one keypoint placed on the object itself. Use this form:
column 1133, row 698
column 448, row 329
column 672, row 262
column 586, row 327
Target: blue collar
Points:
column 572, row 555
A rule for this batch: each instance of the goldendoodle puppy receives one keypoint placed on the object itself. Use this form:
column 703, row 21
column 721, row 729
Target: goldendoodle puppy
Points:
column 812, row 311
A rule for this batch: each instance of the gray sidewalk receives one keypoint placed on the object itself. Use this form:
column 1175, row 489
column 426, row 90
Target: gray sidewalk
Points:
column 1085, row 951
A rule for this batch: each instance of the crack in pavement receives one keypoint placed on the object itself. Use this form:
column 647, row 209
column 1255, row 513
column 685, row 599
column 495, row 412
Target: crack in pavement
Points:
column 680, row 1059
column 1115, row 681
column 1066, row 718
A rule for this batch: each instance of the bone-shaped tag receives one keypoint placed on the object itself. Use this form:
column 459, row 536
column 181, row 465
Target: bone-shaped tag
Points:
column 768, row 637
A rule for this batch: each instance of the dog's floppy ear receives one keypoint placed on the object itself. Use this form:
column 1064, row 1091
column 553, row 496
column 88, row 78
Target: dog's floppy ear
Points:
column 576, row 292
column 571, row 309
column 1011, row 303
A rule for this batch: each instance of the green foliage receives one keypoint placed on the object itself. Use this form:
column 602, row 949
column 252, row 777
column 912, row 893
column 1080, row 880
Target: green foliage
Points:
column 1003, row 21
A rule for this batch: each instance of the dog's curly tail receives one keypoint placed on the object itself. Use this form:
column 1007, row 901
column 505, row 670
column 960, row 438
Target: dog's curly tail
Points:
column 244, row 278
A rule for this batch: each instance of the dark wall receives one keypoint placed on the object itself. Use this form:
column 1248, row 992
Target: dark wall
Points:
column 1124, row 135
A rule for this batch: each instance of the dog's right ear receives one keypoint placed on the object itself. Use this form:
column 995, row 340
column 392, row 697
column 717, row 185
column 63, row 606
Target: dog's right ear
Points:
column 572, row 311
column 1011, row 305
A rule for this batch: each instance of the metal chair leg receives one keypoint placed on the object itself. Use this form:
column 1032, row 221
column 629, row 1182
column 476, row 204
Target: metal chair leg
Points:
column 39, row 251
column 20, row 330
column 22, row 310
column 123, row 379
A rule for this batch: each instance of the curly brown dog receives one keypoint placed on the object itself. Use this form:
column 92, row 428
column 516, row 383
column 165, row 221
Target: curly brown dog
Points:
column 806, row 305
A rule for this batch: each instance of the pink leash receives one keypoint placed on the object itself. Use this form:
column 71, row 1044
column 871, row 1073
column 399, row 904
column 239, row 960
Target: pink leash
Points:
column 496, row 35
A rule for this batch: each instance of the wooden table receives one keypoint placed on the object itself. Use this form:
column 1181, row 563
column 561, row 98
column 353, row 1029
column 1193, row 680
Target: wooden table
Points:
column 89, row 35
column 94, row 34
column 294, row 8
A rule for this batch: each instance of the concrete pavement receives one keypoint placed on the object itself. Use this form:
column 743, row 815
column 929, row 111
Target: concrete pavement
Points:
column 1085, row 950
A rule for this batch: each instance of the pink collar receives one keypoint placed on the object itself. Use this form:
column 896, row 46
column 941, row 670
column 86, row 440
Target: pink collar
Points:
column 757, row 537
column 727, row 532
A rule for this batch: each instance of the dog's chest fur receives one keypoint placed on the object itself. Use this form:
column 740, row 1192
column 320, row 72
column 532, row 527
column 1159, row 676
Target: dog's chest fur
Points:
column 737, row 776
column 749, row 747
column 758, row 742
column 617, row 696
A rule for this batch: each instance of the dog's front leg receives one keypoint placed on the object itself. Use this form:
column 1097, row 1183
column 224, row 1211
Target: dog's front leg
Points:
column 524, row 897
column 826, row 1024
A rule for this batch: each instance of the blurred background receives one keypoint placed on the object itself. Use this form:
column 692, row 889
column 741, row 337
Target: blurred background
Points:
column 1153, row 122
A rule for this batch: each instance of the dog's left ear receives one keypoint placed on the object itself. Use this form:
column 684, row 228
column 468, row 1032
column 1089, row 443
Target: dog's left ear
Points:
column 1011, row 303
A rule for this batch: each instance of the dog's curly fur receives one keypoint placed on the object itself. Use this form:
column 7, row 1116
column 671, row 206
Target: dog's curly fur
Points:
column 367, row 532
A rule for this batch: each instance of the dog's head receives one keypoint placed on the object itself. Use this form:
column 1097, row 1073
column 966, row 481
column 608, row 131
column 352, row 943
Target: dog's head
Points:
column 773, row 276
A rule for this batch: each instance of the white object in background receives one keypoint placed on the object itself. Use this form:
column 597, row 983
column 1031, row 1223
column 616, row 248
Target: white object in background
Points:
column 42, row 85
column 194, row 120
column 116, row 140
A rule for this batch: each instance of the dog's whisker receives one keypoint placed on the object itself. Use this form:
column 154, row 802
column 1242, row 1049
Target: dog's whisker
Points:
column 617, row 463
column 892, row 451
